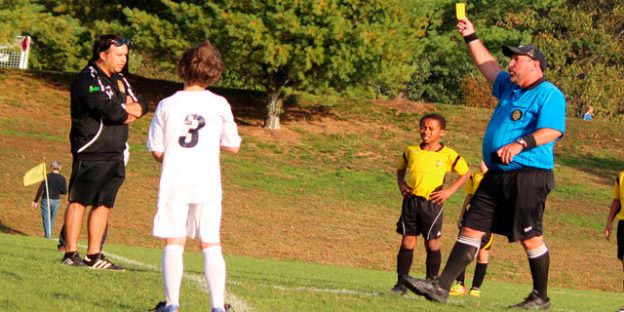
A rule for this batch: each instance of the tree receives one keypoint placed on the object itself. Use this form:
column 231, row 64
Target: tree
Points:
column 305, row 44
column 56, row 40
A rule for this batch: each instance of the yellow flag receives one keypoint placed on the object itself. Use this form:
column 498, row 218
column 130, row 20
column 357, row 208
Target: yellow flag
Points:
column 35, row 175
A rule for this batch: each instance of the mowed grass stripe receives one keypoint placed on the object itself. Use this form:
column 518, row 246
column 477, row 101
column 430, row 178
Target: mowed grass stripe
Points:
column 36, row 281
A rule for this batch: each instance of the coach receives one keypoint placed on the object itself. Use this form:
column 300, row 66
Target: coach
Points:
column 518, row 149
column 102, row 105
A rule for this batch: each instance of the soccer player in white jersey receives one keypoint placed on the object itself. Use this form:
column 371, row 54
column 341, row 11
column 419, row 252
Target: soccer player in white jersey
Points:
column 187, row 133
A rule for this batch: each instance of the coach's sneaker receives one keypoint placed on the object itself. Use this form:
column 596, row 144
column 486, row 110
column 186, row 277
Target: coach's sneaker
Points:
column 475, row 292
column 428, row 289
column 98, row 262
column 458, row 290
column 533, row 302
column 398, row 290
column 72, row 259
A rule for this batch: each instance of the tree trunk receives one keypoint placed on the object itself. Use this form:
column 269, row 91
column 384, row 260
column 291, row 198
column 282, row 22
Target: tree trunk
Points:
column 274, row 109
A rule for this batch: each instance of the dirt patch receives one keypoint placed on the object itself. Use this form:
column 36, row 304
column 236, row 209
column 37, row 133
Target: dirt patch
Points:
column 406, row 106
column 284, row 135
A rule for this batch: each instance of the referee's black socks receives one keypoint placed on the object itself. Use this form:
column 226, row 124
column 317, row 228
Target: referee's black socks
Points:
column 463, row 252
column 539, row 261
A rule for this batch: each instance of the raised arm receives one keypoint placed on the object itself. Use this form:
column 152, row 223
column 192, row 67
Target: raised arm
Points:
column 485, row 61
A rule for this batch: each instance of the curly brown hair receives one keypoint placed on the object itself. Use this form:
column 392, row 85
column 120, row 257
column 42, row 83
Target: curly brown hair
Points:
column 201, row 65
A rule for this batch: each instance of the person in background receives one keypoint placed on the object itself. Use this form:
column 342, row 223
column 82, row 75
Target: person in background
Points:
column 459, row 289
column 589, row 114
column 50, row 198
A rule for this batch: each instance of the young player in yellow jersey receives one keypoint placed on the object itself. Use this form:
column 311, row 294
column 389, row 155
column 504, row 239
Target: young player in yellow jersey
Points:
column 486, row 242
column 420, row 176
column 617, row 212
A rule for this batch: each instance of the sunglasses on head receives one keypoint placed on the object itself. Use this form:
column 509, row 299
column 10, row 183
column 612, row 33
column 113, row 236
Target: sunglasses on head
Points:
column 120, row 42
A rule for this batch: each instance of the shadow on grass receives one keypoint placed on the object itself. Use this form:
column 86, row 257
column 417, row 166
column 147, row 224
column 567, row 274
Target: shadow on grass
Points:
column 7, row 230
column 604, row 168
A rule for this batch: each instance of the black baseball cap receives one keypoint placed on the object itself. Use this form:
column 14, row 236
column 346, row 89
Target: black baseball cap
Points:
column 528, row 50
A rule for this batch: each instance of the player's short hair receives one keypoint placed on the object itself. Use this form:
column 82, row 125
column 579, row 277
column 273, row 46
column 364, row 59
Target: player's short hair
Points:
column 55, row 165
column 104, row 42
column 201, row 65
column 441, row 120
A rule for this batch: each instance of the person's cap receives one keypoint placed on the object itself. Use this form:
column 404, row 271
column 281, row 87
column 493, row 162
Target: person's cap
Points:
column 528, row 50
column 56, row 164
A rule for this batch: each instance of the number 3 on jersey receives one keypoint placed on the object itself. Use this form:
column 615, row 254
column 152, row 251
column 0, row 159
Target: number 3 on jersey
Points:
column 193, row 123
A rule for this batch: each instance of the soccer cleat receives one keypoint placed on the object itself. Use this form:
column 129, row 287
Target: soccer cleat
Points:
column 162, row 307
column 72, row 259
column 621, row 309
column 398, row 290
column 226, row 308
column 457, row 290
column 475, row 292
column 533, row 302
column 428, row 289
column 99, row 262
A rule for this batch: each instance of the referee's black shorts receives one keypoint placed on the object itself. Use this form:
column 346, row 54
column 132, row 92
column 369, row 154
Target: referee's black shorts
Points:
column 511, row 203
column 420, row 216
column 96, row 182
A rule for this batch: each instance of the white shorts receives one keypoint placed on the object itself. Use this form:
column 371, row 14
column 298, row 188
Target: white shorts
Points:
column 179, row 220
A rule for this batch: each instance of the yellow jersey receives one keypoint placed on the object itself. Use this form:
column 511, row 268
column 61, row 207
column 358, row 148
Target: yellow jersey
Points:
column 473, row 183
column 618, row 193
column 425, row 170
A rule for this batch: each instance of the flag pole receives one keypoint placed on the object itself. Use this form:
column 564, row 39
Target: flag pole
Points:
column 45, row 177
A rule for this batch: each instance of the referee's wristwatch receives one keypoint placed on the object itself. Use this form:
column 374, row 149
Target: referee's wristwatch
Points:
column 522, row 142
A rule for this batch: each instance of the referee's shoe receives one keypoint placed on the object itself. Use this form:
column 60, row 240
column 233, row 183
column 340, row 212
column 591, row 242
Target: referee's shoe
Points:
column 430, row 289
column 533, row 302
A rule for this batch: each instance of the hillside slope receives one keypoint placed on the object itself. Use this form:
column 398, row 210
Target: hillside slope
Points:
column 321, row 189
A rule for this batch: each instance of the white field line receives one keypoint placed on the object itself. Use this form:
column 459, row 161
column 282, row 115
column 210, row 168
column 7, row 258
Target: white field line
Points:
column 335, row 291
column 238, row 304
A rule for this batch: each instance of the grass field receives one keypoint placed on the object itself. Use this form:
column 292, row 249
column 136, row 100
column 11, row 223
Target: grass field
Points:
column 319, row 192
column 38, row 282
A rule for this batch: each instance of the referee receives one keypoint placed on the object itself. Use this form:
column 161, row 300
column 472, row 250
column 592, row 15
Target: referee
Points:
column 518, row 149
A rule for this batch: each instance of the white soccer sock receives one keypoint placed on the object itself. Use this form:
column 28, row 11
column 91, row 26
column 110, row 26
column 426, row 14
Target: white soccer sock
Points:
column 214, row 273
column 173, row 269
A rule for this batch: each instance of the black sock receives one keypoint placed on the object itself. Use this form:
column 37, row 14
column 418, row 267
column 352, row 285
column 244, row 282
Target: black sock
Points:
column 479, row 275
column 404, row 262
column 463, row 252
column 461, row 277
column 539, row 272
column 93, row 256
column 434, row 259
column 69, row 254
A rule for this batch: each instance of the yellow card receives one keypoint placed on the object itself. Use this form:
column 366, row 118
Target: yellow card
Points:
column 460, row 10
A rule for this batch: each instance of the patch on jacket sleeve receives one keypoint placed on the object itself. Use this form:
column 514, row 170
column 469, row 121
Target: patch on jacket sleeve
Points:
column 94, row 89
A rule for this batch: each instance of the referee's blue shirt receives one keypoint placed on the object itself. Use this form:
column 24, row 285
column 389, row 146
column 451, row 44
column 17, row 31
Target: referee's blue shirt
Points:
column 518, row 113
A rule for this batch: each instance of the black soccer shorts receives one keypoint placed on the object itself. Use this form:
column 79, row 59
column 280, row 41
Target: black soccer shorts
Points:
column 420, row 216
column 511, row 203
column 620, row 240
column 96, row 182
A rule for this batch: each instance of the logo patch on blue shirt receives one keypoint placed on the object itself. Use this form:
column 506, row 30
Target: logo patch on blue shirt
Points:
column 516, row 115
